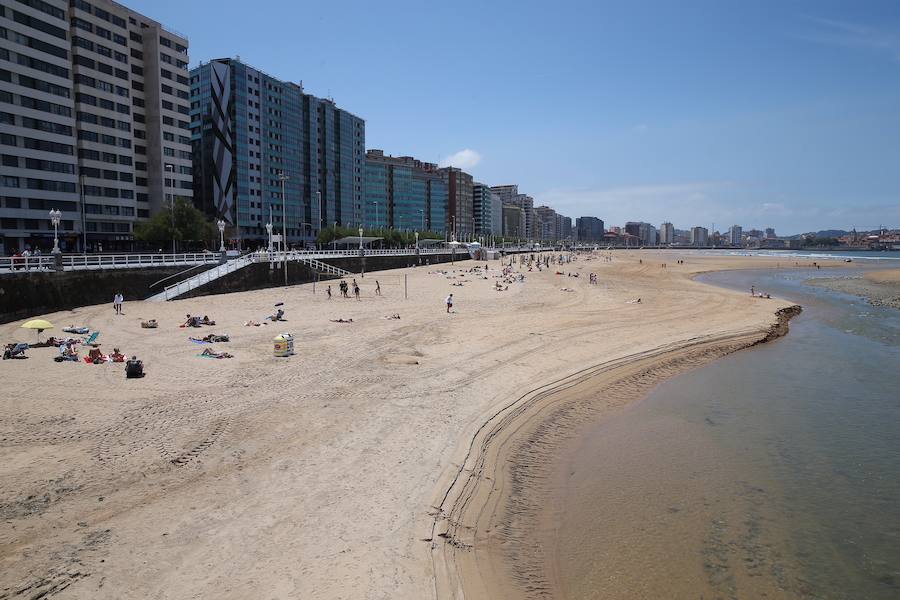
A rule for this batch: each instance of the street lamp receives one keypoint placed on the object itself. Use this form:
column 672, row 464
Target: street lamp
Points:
column 221, row 224
column 269, row 231
column 360, row 238
column 422, row 211
column 171, row 169
column 376, row 216
column 284, row 178
column 55, row 216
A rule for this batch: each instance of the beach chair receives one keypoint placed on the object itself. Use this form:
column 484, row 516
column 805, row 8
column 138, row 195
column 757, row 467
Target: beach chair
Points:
column 91, row 340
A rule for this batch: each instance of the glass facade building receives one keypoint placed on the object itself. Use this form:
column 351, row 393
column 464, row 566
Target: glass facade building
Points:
column 403, row 193
column 249, row 129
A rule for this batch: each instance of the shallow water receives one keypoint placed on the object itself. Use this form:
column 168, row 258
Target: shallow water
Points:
column 774, row 472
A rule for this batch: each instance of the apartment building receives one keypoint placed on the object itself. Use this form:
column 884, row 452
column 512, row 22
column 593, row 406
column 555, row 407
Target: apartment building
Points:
column 95, row 103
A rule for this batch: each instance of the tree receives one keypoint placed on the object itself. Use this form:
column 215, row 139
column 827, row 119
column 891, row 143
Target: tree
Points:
column 190, row 225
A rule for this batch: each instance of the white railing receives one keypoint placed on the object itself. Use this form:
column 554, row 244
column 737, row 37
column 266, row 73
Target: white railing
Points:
column 30, row 263
column 318, row 265
column 78, row 262
column 183, row 287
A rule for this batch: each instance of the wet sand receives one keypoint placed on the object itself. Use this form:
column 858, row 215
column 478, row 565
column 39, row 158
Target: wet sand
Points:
column 346, row 471
column 880, row 288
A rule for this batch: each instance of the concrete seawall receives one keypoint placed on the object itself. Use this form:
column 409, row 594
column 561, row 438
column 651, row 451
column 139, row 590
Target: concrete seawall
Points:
column 29, row 294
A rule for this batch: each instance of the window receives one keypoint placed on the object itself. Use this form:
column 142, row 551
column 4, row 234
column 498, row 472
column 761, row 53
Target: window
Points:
column 10, row 161
column 43, row 86
column 9, row 181
column 86, row 99
column 47, row 126
column 44, row 7
column 82, row 43
column 49, row 165
column 88, row 136
column 135, row 37
column 34, row 23
column 40, row 65
column 81, row 24
column 165, row 74
column 168, row 151
column 136, row 70
column 46, row 146
column 137, row 54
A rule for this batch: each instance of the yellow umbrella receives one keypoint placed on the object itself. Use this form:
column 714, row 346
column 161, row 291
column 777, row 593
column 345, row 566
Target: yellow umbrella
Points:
column 39, row 324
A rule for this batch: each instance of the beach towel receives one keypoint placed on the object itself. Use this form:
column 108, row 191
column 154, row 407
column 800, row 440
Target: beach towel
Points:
column 196, row 341
column 78, row 330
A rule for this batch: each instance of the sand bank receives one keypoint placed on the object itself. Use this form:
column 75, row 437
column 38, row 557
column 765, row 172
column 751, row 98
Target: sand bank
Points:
column 880, row 288
column 321, row 475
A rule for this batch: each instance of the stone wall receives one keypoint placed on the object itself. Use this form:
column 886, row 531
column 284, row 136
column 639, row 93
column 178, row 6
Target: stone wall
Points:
column 33, row 293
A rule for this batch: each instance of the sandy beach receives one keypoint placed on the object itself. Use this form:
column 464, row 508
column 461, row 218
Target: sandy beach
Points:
column 389, row 458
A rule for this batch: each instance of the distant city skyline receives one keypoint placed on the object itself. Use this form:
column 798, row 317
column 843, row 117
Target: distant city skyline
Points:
column 760, row 114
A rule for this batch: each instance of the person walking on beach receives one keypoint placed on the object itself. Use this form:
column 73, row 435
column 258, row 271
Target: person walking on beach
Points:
column 377, row 288
column 356, row 290
column 117, row 303
column 449, row 301
column 328, row 291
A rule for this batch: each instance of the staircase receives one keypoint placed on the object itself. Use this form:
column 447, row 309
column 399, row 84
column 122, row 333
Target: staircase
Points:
column 182, row 287
column 321, row 267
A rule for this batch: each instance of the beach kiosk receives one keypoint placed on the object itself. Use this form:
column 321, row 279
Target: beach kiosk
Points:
column 284, row 345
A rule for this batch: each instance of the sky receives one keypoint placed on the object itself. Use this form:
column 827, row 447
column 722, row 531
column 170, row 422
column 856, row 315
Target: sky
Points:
column 780, row 114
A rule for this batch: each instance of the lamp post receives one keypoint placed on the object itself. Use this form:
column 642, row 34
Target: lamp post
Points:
column 284, row 178
column 55, row 216
column 422, row 212
column 269, row 231
column 360, row 239
column 376, row 215
column 334, row 239
column 417, row 242
column 221, row 224
column 171, row 169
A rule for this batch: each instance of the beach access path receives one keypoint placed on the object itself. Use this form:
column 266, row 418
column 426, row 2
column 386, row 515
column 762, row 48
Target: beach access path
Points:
column 314, row 476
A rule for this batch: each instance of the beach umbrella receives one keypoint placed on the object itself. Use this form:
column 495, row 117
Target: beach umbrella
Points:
column 39, row 324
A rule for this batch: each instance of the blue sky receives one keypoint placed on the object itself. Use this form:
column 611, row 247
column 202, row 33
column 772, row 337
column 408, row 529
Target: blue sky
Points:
column 783, row 114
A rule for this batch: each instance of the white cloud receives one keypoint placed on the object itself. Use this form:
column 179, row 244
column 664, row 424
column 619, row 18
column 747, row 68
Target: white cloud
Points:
column 464, row 159
column 852, row 35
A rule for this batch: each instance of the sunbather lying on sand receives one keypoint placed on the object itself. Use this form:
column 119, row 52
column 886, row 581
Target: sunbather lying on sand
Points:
column 211, row 338
column 213, row 354
column 342, row 320
column 15, row 351
column 393, row 316
column 252, row 323
column 151, row 324
column 206, row 321
column 73, row 329
column 191, row 322
column 634, row 301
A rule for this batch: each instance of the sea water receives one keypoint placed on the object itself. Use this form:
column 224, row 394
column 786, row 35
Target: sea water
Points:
column 771, row 473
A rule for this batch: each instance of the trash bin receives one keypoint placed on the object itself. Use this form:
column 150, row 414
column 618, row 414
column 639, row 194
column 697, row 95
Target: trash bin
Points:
column 284, row 345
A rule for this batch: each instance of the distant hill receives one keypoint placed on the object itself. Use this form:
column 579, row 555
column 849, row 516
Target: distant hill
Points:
column 827, row 233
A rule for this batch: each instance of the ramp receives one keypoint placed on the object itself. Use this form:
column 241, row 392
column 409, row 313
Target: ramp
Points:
column 191, row 283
